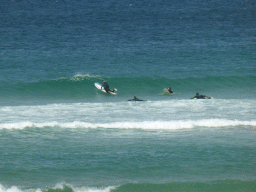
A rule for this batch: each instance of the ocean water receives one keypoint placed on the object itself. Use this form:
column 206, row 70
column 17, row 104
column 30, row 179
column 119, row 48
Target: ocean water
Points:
column 58, row 133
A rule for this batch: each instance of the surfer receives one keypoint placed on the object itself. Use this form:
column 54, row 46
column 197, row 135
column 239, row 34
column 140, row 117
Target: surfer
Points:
column 135, row 99
column 197, row 96
column 170, row 90
column 106, row 87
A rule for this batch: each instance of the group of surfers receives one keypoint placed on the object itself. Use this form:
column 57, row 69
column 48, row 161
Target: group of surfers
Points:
column 107, row 89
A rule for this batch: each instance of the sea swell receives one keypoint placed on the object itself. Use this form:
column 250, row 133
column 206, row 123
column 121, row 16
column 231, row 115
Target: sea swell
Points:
column 82, row 87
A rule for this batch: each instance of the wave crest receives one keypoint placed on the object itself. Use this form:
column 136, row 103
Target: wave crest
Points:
column 61, row 187
column 150, row 125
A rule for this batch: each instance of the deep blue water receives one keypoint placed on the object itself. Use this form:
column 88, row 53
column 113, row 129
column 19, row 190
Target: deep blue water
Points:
column 171, row 39
column 58, row 133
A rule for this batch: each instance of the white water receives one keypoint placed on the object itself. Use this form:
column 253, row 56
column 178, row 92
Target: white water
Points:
column 170, row 115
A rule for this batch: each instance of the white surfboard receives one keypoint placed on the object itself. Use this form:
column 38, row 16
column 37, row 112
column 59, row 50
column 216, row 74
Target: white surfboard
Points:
column 98, row 86
column 166, row 92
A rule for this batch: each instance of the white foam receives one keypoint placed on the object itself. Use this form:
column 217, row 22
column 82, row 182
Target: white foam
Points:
column 94, row 189
column 84, row 189
column 11, row 189
column 59, row 186
column 152, row 125
column 78, row 76
column 144, row 115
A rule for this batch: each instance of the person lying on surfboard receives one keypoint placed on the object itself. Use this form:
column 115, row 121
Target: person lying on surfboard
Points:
column 197, row 96
column 106, row 87
column 135, row 99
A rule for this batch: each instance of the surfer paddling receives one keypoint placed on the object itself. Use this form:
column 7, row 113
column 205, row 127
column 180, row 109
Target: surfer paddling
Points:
column 135, row 99
column 197, row 96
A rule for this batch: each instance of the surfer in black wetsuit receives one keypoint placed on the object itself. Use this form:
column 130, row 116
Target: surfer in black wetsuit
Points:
column 106, row 87
column 197, row 96
column 135, row 99
column 170, row 90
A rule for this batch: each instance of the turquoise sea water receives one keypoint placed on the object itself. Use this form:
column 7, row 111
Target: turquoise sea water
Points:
column 58, row 133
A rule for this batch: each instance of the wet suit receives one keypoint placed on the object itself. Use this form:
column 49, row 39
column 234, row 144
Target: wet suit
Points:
column 106, row 87
column 135, row 99
column 200, row 97
column 170, row 90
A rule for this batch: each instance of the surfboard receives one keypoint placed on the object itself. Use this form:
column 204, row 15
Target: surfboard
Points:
column 98, row 86
column 166, row 92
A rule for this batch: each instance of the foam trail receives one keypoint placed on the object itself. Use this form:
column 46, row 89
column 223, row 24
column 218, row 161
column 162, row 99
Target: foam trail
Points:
column 83, row 189
column 60, row 186
column 152, row 125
